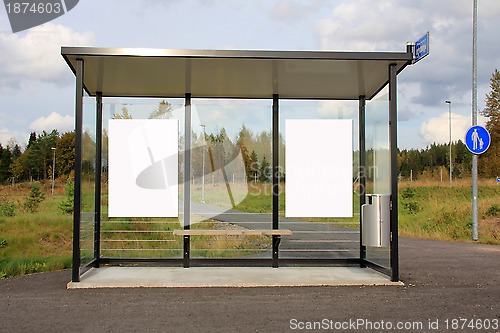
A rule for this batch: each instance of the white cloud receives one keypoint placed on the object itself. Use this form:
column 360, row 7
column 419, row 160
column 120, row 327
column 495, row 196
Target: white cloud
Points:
column 387, row 25
column 287, row 10
column 348, row 28
column 293, row 10
column 437, row 130
column 53, row 121
column 284, row 9
column 6, row 135
column 36, row 54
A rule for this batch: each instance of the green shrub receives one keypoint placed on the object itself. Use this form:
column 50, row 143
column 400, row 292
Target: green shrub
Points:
column 7, row 209
column 412, row 206
column 3, row 243
column 408, row 193
column 446, row 217
column 33, row 201
column 67, row 205
column 494, row 210
column 408, row 196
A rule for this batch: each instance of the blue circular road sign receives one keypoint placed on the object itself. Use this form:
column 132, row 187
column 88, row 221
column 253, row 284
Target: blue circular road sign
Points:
column 477, row 139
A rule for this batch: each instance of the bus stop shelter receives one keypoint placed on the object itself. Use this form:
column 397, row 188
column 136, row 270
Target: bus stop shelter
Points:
column 273, row 76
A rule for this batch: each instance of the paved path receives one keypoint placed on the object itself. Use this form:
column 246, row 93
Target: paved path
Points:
column 444, row 280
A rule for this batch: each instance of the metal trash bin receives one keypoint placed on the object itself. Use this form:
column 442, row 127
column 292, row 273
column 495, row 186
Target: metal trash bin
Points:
column 376, row 220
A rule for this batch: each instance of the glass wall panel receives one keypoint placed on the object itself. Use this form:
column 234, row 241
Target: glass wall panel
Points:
column 316, row 235
column 231, row 181
column 138, row 236
column 378, row 159
column 231, row 176
column 88, row 181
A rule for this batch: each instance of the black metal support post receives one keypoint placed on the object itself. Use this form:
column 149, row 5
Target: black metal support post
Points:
column 362, row 172
column 75, row 274
column 98, row 177
column 275, row 177
column 393, row 139
column 187, row 177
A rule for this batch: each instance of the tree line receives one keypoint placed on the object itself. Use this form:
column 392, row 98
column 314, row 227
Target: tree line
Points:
column 36, row 161
column 434, row 160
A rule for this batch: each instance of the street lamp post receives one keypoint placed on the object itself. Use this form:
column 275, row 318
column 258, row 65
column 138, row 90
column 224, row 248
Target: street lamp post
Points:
column 53, row 168
column 451, row 167
column 203, row 169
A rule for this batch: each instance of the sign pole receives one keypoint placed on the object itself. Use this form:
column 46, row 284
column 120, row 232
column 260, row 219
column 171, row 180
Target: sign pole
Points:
column 474, row 122
column 451, row 167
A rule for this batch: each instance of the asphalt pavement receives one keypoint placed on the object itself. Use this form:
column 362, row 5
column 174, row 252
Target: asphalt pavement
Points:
column 447, row 285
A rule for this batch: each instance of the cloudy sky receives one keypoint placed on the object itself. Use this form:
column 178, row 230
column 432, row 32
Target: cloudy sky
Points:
column 37, row 87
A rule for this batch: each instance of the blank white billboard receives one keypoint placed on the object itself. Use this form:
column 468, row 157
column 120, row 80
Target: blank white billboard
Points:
column 318, row 168
column 143, row 168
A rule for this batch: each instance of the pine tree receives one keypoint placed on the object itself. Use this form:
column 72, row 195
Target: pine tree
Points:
column 265, row 170
column 67, row 205
column 5, row 163
column 254, row 166
column 16, row 150
column 33, row 201
column 31, row 139
column 489, row 165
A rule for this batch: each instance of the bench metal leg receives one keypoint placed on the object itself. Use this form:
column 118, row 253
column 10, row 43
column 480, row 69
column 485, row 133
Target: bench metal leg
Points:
column 186, row 251
column 276, row 244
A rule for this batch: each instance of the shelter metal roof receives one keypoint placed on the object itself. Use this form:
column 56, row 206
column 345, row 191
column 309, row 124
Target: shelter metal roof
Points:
column 123, row 72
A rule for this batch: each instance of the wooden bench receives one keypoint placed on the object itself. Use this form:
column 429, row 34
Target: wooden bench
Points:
column 235, row 232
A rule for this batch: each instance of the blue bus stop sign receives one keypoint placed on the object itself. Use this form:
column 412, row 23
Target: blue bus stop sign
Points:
column 477, row 139
column 421, row 48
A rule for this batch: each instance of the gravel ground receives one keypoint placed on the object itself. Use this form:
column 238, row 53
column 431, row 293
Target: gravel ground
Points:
column 445, row 284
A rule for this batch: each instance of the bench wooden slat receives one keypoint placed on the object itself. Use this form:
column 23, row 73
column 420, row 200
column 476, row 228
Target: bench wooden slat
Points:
column 235, row 232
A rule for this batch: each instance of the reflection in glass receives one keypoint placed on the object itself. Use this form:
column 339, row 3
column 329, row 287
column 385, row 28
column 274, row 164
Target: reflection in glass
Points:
column 378, row 159
column 313, row 237
column 136, row 236
column 231, row 176
column 87, row 215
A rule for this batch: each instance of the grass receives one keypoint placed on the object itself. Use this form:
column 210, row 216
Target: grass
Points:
column 259, row 199
column 33, row 242
column 216, row 194
column 434, row 211
column 29, row 265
